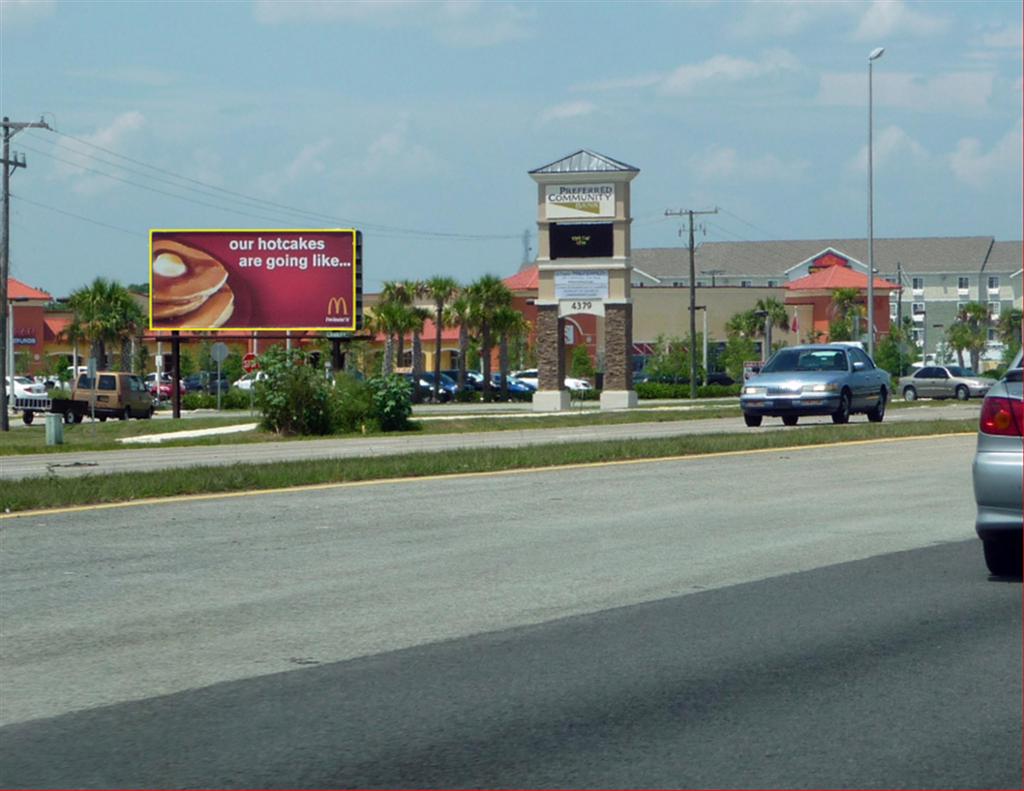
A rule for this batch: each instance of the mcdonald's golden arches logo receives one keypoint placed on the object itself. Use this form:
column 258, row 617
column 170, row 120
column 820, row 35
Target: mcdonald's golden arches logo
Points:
column 337, row 306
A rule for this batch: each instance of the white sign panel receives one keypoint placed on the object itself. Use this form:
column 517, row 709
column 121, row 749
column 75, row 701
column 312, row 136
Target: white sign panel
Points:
column 567, row 307
column 579, row 201
column 581, row 284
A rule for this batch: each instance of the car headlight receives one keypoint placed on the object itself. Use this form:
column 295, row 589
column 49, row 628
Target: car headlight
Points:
column 827, row 387
column 753, row 390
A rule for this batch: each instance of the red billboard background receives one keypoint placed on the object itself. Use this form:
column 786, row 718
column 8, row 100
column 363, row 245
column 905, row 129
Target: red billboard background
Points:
column 253, row 280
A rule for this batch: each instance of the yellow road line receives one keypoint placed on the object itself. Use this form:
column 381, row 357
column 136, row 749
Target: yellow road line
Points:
column 72, row 509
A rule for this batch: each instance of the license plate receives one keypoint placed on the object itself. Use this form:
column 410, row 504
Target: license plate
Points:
column 760, row 403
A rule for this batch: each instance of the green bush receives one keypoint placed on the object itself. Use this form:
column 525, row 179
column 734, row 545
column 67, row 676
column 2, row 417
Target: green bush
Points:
column 646, row 390
column 294, row 398
column 198, row 401
column 392, row 402
column 352, row 405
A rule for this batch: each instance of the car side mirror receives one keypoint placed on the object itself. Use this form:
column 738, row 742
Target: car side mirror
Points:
column 858, row 366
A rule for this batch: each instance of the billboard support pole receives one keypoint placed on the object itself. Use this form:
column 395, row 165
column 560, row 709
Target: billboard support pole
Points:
column 175, row 372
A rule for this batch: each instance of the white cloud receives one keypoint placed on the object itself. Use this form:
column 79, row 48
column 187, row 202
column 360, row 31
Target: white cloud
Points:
column 1003, row 38
column 561, row 112
column 78, row 157
column 978, row 168
column 893, row 18
column 460, row 23
column 25, row 13
column 721, row 163
column 394, row 154
column 725, row 68
column 889, row 144
column 965, row 90
column 781, row 18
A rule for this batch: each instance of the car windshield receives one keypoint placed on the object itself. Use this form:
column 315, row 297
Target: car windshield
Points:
column 789, row 360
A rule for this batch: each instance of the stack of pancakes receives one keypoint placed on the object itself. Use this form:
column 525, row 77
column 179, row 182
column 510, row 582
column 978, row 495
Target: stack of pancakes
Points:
column 189, row 287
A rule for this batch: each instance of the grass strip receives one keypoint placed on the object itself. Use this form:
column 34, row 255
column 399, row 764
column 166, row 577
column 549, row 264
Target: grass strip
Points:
column 104, row 436
column 55, row 492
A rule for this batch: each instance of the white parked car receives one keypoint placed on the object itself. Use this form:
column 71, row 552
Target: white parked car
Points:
column 531, row 377
column 25, row 388
column 247, row 381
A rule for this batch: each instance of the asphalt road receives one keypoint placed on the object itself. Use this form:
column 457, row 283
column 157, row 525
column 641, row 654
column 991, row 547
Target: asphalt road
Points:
column 73, row 464
column 807, row 618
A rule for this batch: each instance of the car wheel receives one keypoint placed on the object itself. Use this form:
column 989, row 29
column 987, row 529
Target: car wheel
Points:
column 124, row 414
column 877, row 413
column 1003, row 556
column 27, row 417
column 69, row 417
column 148, row 413
column 842, row 415
column 753, row 421
column 962, row 393
column 790, row 420
column 79, row 417
column 103, row 418
column 909, row 394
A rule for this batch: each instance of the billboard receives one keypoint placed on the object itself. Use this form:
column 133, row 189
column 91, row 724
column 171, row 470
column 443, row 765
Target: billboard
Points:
column 255, row 279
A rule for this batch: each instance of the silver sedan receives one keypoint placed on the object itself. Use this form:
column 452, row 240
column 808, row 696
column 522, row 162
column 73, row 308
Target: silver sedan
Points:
column 998, row 469
column 945, row 381
column 821, row 379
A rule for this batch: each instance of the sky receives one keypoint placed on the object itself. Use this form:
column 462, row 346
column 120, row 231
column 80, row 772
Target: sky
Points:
column 418, row 122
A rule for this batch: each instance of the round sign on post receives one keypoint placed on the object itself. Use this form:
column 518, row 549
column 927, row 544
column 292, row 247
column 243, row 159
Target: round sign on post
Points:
column 219, row 352
column 250, row 363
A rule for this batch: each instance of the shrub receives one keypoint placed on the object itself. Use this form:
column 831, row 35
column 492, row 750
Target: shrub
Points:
column 392, row 402
column 352, row 404
column 294, row 398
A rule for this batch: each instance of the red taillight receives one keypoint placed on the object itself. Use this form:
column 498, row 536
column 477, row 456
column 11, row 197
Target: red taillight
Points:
column 1003, row 416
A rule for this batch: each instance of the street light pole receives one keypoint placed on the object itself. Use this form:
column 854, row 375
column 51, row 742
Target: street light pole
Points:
column 875, row 55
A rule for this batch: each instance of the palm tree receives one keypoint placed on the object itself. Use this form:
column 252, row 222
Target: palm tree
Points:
column 508, row 324
column 440, row 289
column 103, row 313
column 402, row 294
column 487, row 295
column 388, row 318
column 845, row 307
column 416, row 318
column 458, row 315
column 970, row 332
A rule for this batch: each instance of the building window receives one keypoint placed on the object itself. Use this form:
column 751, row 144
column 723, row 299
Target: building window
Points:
column 992, row 335
column 963, row 285
column 917, row 284
column 917, row 309
column 960, row 307
column 746, row 283
column 773, row 284
column 993, row 284
column 919, row 337
column 993, row 310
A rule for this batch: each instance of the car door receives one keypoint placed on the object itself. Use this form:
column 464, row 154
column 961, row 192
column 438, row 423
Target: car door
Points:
column 924, row 382
column 864, row 378
column 942, row 384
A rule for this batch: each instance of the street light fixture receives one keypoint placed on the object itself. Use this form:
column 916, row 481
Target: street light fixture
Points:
column 875, row 55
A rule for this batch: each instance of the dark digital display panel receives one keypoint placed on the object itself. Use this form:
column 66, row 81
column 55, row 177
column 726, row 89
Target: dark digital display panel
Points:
column 583, row 240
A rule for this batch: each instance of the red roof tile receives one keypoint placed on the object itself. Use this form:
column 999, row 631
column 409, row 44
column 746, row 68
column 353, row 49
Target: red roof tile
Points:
column 838, row 277
column 524, row 280
column 53, row 327
column 18, row 290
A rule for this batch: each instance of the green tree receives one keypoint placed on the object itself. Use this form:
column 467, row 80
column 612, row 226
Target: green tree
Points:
column 670, row 361
column 739, row 349
column 508, row 325
column 1008, row 331
column 104, row 313
column 580, row 365
column 897, row 352
column 846, row 314
column 969, row 333
column 457, row 314
column 440, row 289
column 487, row 296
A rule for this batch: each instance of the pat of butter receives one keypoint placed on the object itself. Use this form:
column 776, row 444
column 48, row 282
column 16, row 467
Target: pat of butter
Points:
column 169, row 265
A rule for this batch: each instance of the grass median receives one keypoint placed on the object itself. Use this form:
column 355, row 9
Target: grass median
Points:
column 55, row 492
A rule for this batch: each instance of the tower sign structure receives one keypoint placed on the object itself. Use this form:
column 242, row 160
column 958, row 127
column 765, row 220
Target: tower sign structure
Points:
column 583, row 260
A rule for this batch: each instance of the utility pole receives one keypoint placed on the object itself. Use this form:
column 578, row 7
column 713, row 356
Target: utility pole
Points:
column 10, row 129
column 693, row 296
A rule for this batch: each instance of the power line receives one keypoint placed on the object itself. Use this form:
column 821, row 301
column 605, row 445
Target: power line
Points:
column 77, row 216
column 382, row 230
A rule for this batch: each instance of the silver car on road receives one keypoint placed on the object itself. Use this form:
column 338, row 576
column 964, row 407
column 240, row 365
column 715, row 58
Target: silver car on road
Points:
column 998, row 469
column 820, row 379
column 945, row 381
